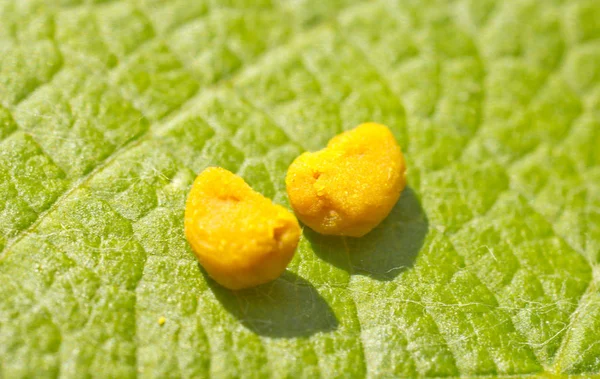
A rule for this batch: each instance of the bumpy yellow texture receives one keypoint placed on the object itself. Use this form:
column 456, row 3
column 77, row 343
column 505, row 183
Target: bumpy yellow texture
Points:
column 349, row 187
column 240, row 237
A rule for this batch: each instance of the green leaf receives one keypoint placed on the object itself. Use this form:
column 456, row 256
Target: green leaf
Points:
column 488, row 265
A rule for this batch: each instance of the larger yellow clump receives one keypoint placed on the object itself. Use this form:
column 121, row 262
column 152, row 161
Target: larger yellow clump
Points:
column 349, row 187
column 240, row 237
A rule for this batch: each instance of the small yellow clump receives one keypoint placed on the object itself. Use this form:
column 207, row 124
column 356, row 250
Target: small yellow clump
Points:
column 240, row 237
column 349, row 187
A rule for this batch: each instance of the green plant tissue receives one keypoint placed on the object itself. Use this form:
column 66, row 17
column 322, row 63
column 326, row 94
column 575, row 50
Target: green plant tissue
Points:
column 487, row 266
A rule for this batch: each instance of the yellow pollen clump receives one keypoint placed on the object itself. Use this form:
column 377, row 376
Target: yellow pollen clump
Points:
column 240, row 237
column 350, row 186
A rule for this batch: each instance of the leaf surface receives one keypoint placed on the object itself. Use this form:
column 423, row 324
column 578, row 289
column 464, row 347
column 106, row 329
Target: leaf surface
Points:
column 487, row 266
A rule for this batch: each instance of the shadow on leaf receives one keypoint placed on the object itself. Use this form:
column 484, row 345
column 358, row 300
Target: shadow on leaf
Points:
column 285, row 308
column 384, row 252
